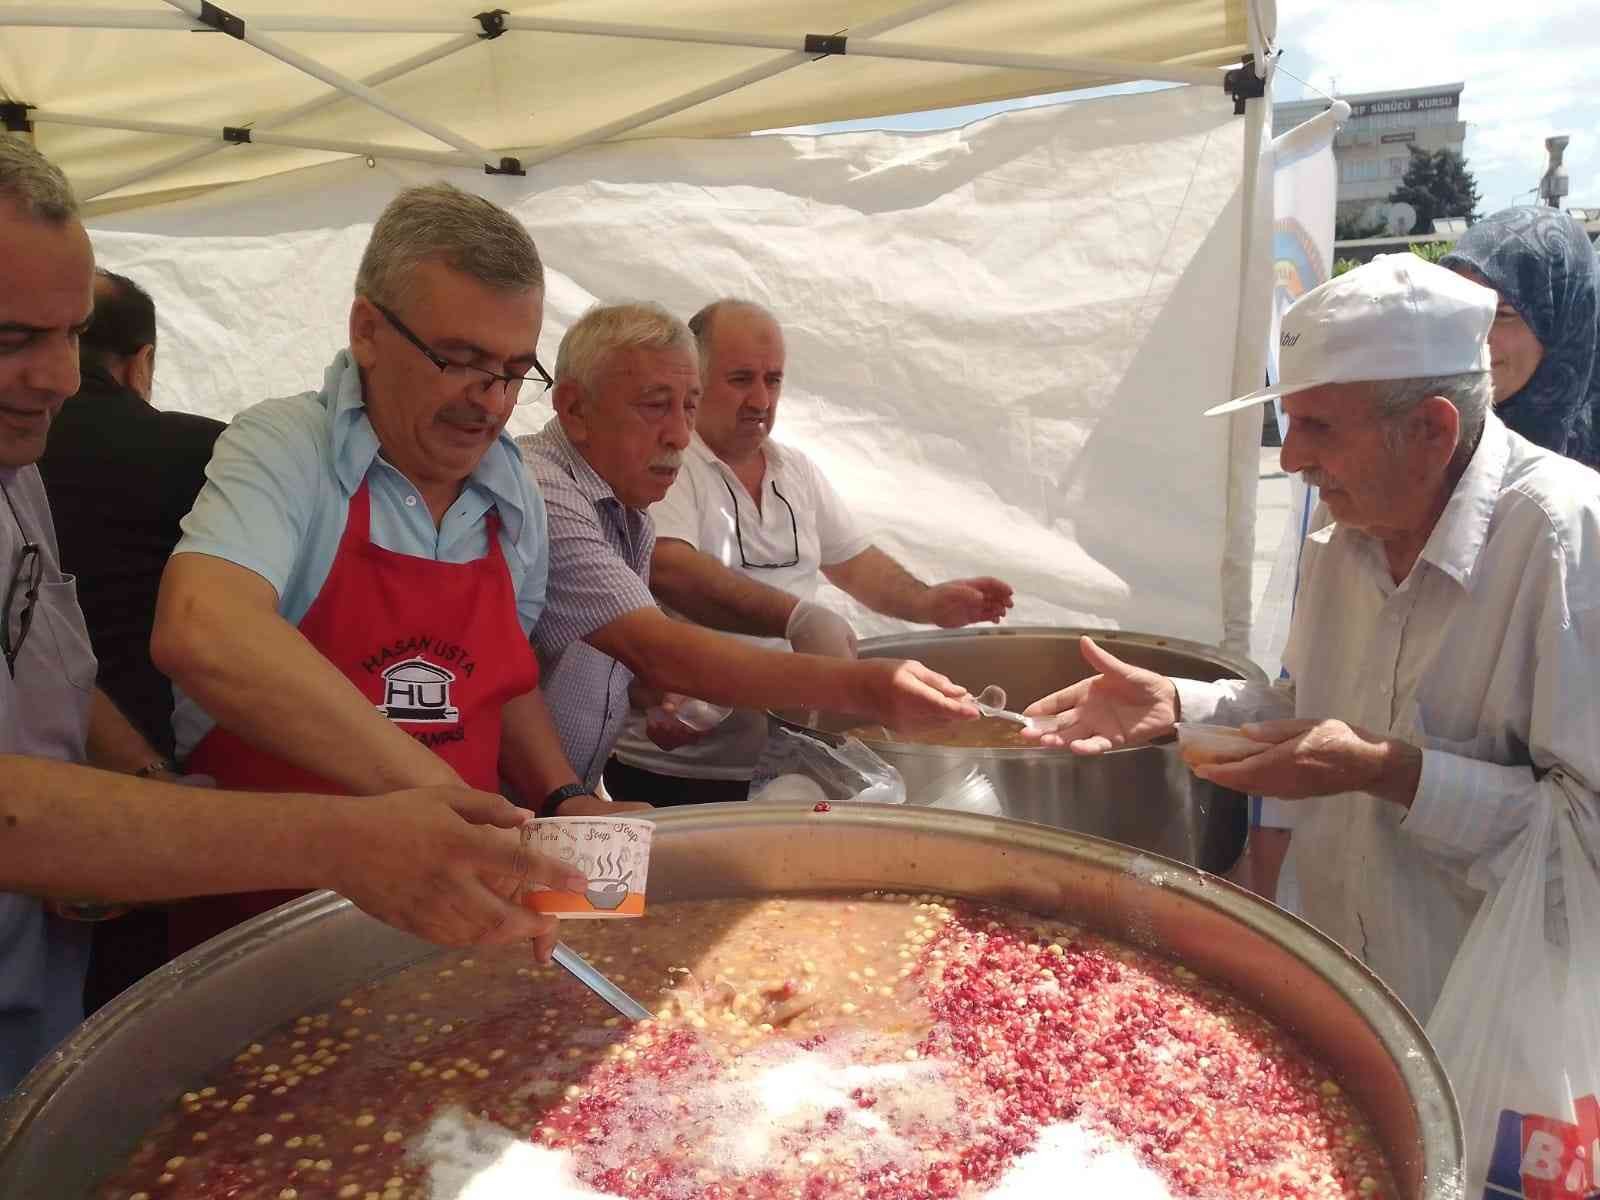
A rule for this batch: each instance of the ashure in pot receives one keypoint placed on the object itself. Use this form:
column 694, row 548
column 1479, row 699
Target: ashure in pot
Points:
column 76, row 1118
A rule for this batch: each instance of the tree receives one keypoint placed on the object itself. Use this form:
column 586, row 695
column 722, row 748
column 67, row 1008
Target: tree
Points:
column 1437, row 184
column 1354, row 229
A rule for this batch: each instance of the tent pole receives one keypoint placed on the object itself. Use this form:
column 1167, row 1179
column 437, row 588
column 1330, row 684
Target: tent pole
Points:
column 1249, row 371
column 277, row 50
column 289, row 116
column 442, row 158
column 39, row 17
column 721, row 87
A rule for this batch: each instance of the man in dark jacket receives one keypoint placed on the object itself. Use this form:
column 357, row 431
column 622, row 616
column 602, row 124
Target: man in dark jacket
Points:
column 120, row 475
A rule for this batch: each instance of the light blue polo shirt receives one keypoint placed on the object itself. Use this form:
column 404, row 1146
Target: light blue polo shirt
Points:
column 278, row 491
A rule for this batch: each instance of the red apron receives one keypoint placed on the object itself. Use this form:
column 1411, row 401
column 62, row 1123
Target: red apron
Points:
column 437, row 648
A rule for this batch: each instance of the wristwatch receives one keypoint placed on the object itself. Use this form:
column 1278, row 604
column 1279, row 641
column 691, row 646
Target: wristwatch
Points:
column 560, row 796
column 161, row 766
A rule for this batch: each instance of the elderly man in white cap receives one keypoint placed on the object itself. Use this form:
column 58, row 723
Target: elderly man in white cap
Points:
column 1446, row 644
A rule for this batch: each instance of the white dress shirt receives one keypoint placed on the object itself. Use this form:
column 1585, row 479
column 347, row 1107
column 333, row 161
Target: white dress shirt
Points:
column 801, row 527
column 1487, row 656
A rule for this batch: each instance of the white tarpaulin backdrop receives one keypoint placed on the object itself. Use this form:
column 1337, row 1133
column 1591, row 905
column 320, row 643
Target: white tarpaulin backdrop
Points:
column 1000, row 338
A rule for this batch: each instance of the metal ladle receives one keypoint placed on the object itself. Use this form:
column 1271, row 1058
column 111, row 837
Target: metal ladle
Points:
column 585, row 973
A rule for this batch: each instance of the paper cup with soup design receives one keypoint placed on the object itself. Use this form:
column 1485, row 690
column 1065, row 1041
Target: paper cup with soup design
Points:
column 612, row 852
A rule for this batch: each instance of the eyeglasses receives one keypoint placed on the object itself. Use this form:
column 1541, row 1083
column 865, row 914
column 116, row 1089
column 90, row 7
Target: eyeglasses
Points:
column 464, row 372
column 29, row 570
column 738, row 534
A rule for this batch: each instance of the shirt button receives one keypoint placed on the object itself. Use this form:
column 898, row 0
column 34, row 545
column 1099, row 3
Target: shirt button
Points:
column 411, row 501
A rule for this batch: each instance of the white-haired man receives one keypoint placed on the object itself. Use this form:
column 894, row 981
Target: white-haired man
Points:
column 429, row 861
column 627, row 389
column 348, row 610
column 746, row 537
column 1446, row 642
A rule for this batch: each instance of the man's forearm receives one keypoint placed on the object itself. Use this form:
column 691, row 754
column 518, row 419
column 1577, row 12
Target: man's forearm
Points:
column 258, row 676
column 708, row 593
column 75, row 832
column 883, row 585
column 113, row 742
column 673, row 656
column 531, row 757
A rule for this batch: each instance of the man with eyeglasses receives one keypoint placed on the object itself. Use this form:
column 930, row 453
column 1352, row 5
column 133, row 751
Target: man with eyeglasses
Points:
column 440, row 863
column 627, row 387
column 348, row 610
column 745, row 537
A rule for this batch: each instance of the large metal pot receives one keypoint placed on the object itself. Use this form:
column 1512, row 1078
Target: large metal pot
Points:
column 1142, row 796
column 80, row 1112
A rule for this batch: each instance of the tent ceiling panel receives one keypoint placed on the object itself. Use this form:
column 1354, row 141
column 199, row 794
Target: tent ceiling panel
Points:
column 531, row 89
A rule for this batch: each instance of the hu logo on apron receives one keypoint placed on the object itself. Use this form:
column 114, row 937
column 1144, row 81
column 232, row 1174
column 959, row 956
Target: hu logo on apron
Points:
column 417, row 690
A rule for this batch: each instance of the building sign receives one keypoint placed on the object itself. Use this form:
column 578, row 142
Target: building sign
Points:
column 1404, row 104
column 1409, row 135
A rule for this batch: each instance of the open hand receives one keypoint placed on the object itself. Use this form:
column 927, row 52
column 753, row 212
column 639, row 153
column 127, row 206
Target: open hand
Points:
column 1123, row 705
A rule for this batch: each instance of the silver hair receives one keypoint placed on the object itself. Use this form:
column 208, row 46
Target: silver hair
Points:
column 702, row 323
column 1394, row 399
column 607, row 328
column 441, row 223
column 33, row 183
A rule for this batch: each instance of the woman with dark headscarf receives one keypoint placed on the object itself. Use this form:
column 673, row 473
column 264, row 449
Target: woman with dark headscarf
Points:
column 1543, row 344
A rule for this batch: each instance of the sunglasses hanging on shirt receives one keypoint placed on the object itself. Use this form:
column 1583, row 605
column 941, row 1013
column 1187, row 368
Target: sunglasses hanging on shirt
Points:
column 738, row 533
column 22, row 592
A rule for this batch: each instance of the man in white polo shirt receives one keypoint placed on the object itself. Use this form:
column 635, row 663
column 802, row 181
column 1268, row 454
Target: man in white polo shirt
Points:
column 1446, row 642
column 744, row 539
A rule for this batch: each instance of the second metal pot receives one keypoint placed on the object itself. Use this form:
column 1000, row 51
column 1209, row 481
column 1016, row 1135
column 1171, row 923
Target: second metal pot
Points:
column 1143, row 796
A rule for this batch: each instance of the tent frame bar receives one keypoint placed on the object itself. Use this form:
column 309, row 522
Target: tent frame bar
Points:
column 233, row 134
column 288, row 116
column 213, row 17
column 862, row 44
column 537, row 154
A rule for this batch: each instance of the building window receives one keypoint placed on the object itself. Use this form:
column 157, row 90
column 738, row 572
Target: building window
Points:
column 1397, row 168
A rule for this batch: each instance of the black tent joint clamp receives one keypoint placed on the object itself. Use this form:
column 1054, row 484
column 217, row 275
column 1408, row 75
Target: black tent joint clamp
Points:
column 1242, row 83
column 508, row 166
column 493, row 22
column 221, row 20
column 14, row 116
column 236, row 134
column 825, row 43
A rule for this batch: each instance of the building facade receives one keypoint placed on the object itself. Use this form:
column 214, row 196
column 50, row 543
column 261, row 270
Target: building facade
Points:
column 1372, row 148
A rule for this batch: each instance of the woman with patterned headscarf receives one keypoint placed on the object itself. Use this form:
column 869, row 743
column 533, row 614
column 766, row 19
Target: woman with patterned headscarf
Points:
column 1545, row 340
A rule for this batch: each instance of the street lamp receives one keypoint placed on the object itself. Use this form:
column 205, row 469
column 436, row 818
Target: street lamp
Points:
column 1554, row 183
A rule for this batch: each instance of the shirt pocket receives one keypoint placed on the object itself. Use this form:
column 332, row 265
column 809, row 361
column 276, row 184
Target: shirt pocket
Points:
column 62, row 619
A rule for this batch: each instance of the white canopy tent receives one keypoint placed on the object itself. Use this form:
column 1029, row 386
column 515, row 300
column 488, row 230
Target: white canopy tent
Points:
column 234, row 161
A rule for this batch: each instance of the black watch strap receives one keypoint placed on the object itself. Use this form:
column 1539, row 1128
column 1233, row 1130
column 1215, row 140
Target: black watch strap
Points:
column 560, row 796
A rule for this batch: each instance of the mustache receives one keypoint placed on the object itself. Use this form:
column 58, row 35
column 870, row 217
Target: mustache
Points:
column 663, row 462
column 465, row 414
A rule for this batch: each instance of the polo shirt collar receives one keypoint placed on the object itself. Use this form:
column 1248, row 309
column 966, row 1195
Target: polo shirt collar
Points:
column 699, row 449
column 354, row 446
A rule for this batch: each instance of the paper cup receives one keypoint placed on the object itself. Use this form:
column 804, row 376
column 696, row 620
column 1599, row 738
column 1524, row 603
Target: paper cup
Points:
column 612, row 852
column 1215, row 743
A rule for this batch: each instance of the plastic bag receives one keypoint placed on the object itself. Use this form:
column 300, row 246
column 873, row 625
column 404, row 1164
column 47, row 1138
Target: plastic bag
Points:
column 1517, row 1024
column 848, row 771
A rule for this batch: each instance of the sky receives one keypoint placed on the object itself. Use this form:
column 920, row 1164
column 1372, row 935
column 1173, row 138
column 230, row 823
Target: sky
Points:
column 1527, row 77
